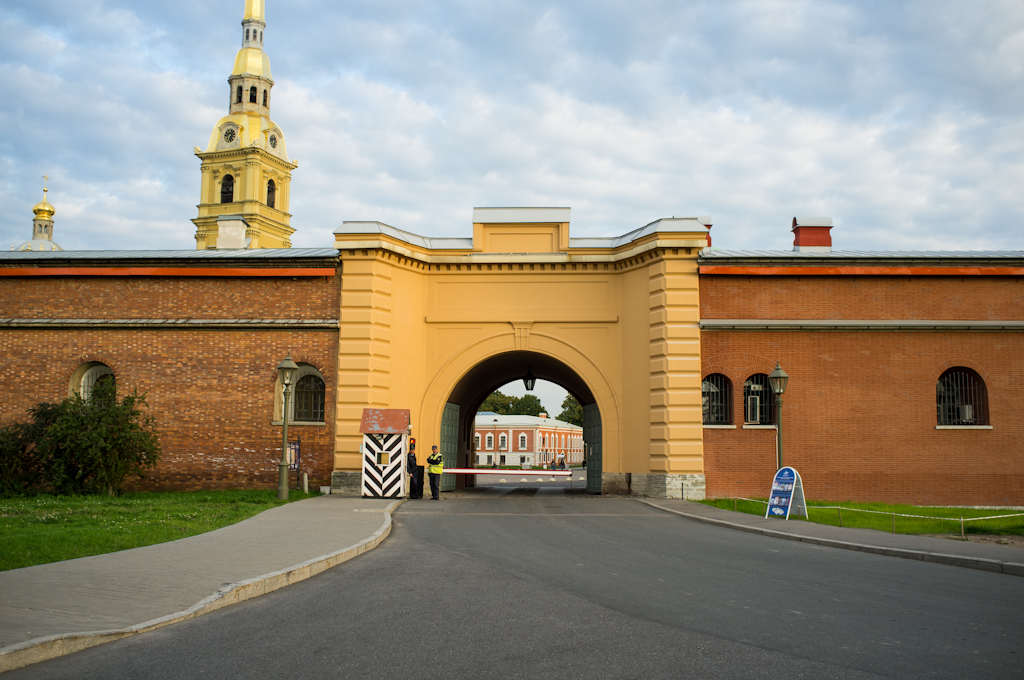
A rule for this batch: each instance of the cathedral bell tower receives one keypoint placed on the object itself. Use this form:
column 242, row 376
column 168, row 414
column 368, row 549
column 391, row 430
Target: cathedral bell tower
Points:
column 246, row 173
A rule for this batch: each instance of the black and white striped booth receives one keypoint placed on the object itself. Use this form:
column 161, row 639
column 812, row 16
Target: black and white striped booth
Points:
column 385, row 442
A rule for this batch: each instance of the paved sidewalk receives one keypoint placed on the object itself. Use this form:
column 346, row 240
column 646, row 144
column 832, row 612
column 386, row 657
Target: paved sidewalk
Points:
column 998, row 558
column 58, row 608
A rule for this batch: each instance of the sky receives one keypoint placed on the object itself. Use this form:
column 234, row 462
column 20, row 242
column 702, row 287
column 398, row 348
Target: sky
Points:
column 901, row 120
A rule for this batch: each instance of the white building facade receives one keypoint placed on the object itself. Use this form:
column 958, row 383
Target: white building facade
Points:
column 532, row 441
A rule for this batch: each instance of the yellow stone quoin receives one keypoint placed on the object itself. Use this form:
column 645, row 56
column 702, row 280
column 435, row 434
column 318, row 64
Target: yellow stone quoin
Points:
column 246, row 172
column 429, row 323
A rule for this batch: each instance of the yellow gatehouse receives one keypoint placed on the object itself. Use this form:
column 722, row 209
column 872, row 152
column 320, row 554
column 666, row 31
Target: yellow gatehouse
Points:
column 434, row 325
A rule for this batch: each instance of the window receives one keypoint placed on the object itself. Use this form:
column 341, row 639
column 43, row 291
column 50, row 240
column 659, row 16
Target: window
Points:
column 522, row 442
column 252, row 94
column 271, row 193
column 490, row 460
column 261, row 36
column 502, row 442
column 264, row 97
column 476, row 442
column 758, row 401
column 490, row 445
column 227, row 189
column 522, row 460
column 502, row 459
column 247, row 34
column 238, row 96
column 716, row 399
column 87, row 376
column 309, row 399
column 961, row 398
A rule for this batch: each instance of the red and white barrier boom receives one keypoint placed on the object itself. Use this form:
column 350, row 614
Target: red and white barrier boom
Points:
column 508, row 473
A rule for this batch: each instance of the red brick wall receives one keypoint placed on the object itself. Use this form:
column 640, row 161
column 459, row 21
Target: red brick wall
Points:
column 859, row 414
column 212, row 392
column 860, row 297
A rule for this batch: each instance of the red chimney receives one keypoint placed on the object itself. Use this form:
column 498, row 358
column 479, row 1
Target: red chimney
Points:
column 811, row 234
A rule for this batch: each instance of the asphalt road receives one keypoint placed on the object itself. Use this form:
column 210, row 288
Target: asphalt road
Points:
column 540, row 584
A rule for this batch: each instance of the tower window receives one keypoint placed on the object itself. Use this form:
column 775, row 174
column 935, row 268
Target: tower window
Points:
column 227, row 189
column 239, row 95
column 247, row 34
column 271, row 193
column 261, row 36
column 252, row 94
column 264, row 97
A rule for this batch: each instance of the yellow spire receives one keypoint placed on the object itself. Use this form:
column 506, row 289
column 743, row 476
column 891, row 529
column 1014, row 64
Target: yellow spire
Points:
column 253, row 10
column 43, row 209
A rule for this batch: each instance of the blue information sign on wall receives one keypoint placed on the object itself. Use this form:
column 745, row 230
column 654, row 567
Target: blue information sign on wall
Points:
column 787, row 496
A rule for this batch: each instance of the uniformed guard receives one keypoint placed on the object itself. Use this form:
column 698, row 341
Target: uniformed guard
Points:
column 435, row 466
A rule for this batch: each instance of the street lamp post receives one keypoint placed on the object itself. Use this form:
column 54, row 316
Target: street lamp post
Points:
column 778, row 380
column 496, row 448
column 285, row 369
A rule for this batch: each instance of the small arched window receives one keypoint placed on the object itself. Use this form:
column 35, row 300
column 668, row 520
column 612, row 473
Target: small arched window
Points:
column 238, row 95
column 522, row 442
column 758, row 401
column 490, row 442
column 227, row 189
column 87, row 376
column 247, row 33
column 716, row 399
column 264, row 97
column 271, row 193
column 961, row 398
column 252, row 94
column 309, row 399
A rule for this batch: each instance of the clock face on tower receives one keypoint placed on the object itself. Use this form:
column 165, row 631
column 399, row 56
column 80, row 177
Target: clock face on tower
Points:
column 273, row 141
column 229, row 136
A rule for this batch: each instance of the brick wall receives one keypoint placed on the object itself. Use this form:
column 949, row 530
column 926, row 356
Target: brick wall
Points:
column 859, row 416
column 211, row 391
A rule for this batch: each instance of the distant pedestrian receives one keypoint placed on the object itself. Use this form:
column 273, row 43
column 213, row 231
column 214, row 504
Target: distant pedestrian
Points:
column 435, row 467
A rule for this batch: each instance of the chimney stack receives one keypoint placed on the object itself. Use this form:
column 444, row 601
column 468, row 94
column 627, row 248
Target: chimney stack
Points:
column 811, row 234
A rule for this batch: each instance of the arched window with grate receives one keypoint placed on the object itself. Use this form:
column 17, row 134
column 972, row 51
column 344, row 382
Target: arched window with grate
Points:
column 94, row 375
column 310, row 393
column 716, row 399
column 238, row 95
column 253, row 92
column 758, row 401
column 227, row 189
column 271, row 193
column 961, row 398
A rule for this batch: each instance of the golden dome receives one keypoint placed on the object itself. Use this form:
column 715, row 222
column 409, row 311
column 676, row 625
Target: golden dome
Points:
column 252, row 61
column 43, row 209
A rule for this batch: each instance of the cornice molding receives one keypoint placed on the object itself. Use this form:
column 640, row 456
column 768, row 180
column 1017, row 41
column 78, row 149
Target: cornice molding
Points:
column 174, row 324
column 859, row 325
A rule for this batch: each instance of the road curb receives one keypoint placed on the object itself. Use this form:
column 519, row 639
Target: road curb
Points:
column 52, row 646
column 980, row 563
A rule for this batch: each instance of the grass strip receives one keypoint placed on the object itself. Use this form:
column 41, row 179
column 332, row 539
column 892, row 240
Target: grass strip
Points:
column 884, row 522
column 42, row 529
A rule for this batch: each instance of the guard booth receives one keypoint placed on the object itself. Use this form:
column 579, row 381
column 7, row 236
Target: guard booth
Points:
column 385, row 442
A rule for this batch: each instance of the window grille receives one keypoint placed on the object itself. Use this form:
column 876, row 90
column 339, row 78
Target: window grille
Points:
column 758, row 401
column 961, row 398
column 309, row 399
column 96, row 374
column 716, row 399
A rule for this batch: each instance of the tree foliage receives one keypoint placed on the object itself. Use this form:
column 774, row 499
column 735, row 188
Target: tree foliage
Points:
column 80, row 446
column 504, row 405
column 572, row 411
column 527, row 405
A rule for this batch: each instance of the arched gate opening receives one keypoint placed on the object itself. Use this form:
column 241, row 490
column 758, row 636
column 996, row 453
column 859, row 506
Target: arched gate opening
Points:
column 456, row 441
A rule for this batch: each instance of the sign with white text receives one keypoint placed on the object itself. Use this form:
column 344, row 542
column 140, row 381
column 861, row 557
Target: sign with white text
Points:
column 787, row 496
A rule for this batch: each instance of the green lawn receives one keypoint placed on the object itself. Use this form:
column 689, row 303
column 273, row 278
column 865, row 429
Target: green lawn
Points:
column 41, row 529
column 883, row 522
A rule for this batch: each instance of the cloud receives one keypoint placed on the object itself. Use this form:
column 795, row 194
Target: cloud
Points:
column 900, row 120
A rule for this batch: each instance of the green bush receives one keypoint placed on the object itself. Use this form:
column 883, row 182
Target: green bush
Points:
column 80, row 446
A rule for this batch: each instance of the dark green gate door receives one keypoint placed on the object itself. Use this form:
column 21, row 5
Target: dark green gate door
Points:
column 449, row 444
column 592, row 446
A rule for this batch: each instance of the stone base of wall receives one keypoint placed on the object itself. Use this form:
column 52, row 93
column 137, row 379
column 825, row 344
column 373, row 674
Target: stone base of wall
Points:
column 346, row 483
column 615, row 483
column 661, row 485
